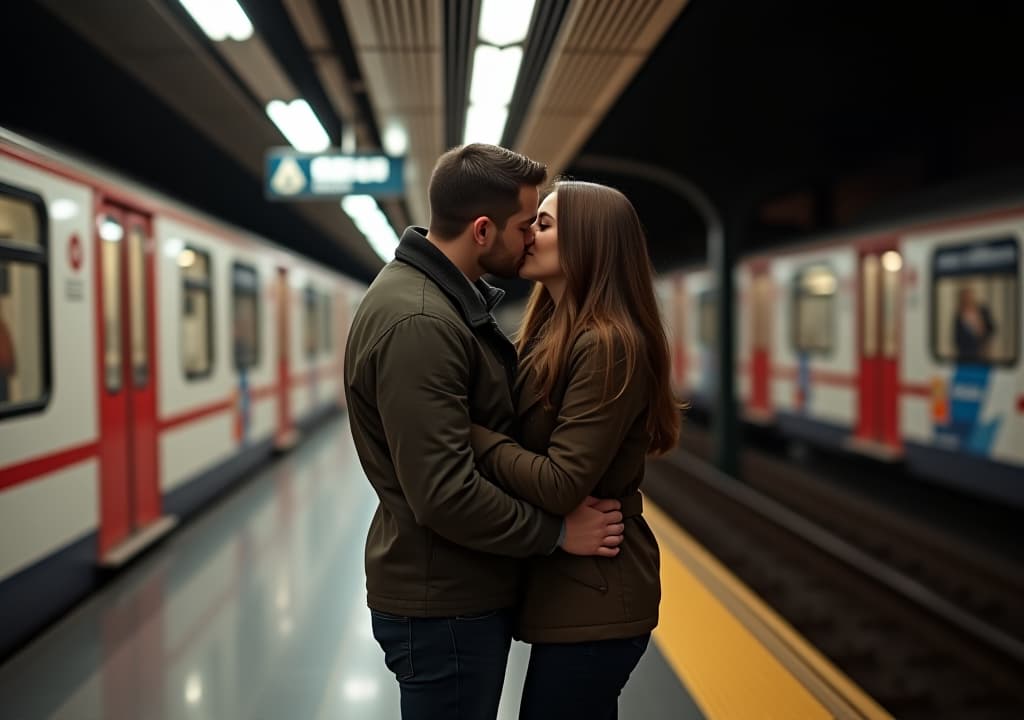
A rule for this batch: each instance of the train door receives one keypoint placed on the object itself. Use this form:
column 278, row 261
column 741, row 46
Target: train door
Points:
column 878, row 423
column 760, row 357
column 130, row 507
column 285, row 436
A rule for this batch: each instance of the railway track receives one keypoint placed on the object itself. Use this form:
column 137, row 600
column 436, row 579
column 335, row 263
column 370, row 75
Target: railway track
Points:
column 928, row 626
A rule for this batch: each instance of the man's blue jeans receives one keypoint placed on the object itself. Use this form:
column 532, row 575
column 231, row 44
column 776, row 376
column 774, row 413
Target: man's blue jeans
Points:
column 447, row 668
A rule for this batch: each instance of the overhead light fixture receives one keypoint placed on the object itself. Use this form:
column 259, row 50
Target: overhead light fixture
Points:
column 494, row 75
column 299, row 125
column 496, row 60
column 396, row 139
column 372, row 223
column 485, row 123
column 505, row 22
column 220, row 19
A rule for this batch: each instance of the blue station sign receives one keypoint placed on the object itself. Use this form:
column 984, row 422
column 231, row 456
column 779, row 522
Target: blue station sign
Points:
column 291, row 175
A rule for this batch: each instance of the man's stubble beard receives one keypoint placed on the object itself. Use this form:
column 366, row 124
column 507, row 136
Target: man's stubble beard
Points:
column 502, row 264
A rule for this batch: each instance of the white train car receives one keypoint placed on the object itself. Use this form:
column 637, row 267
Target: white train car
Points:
column 961, row 411
column 902, row 343
column 149, row 357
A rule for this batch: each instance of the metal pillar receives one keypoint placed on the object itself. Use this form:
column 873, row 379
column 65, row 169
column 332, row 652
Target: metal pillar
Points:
column 724, row 423
column 721, row 258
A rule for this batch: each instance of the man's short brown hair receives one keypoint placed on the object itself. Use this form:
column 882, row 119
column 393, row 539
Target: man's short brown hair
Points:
column 473, row 180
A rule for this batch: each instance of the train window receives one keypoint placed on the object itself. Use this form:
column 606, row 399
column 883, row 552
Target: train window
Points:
column 976, row 302
column 311, row 323
column 24, row 303
column 815, row 291
column 111, row 234
column 245, row 326
column 707, row 329
column 137, row 288
column 325, row 316
column 197, row 313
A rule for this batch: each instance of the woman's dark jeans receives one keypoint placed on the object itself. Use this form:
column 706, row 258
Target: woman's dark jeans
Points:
column 579, row 680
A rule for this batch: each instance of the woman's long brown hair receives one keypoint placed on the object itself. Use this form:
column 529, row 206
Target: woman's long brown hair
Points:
column 609, row 290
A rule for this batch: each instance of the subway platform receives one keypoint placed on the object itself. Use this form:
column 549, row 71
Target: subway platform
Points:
column 257, row 609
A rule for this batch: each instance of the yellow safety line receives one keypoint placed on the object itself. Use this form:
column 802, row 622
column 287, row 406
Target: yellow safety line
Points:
column 735, row 655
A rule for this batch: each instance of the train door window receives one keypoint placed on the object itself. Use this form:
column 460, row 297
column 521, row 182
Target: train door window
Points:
column 869, row 270
column 707, row 328
column 892, row 263
column 137, row 293
column 197, row 313
column 111, row 235
column 245, row 290
column 976, row 302
column 815, row 291
column 325, row 317
column 24, row 303
column 311, row 323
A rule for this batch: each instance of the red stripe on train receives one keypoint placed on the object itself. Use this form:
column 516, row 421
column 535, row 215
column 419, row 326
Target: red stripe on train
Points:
column 256, row 394
column 46, row 464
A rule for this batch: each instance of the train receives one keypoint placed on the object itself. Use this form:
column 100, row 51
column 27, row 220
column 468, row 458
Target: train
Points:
column 899, row 341
column 150, row 357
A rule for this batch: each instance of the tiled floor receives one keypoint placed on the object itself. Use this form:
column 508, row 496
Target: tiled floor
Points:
column 255, row 609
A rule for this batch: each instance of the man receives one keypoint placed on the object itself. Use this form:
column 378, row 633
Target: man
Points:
column 424, row 358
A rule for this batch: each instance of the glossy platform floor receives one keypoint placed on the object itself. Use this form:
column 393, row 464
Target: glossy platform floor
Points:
column 255, row 609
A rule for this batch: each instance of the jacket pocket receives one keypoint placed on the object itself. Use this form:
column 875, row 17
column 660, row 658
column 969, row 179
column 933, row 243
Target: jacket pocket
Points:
column 584, row 570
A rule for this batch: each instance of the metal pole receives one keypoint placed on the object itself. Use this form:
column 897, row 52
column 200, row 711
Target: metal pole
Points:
column 721, row 256
column 725, row 435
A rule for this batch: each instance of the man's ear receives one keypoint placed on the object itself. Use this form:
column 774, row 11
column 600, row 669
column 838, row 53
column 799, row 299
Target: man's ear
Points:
column 481, row 229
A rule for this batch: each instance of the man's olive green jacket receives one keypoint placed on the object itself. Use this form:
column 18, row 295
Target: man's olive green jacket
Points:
column 424, row 359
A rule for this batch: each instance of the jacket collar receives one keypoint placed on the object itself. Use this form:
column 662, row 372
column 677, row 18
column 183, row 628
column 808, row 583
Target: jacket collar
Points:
column 474, row 300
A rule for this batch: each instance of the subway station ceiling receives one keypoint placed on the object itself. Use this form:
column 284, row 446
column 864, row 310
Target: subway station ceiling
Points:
column 365, row 67
column 793, row 117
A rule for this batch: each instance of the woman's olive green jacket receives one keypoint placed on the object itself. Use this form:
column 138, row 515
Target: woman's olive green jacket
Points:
column 582, row 445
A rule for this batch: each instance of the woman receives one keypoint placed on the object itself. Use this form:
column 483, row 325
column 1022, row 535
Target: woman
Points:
column 594, row 400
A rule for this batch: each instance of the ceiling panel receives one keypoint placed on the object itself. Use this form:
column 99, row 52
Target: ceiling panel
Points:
column 601, row 46
column 150, row 42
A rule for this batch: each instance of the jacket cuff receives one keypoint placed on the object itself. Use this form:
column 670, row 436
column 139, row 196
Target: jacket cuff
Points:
column 484, row 440
column 561, row 538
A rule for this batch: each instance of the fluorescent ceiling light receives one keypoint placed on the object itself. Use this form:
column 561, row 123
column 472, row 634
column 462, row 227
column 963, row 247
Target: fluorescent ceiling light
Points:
column 485, row 124
column 220, row 19
column 372, row 223
column 505, row 22
column 396, row 140
column 299, row 125
column 494, row 74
